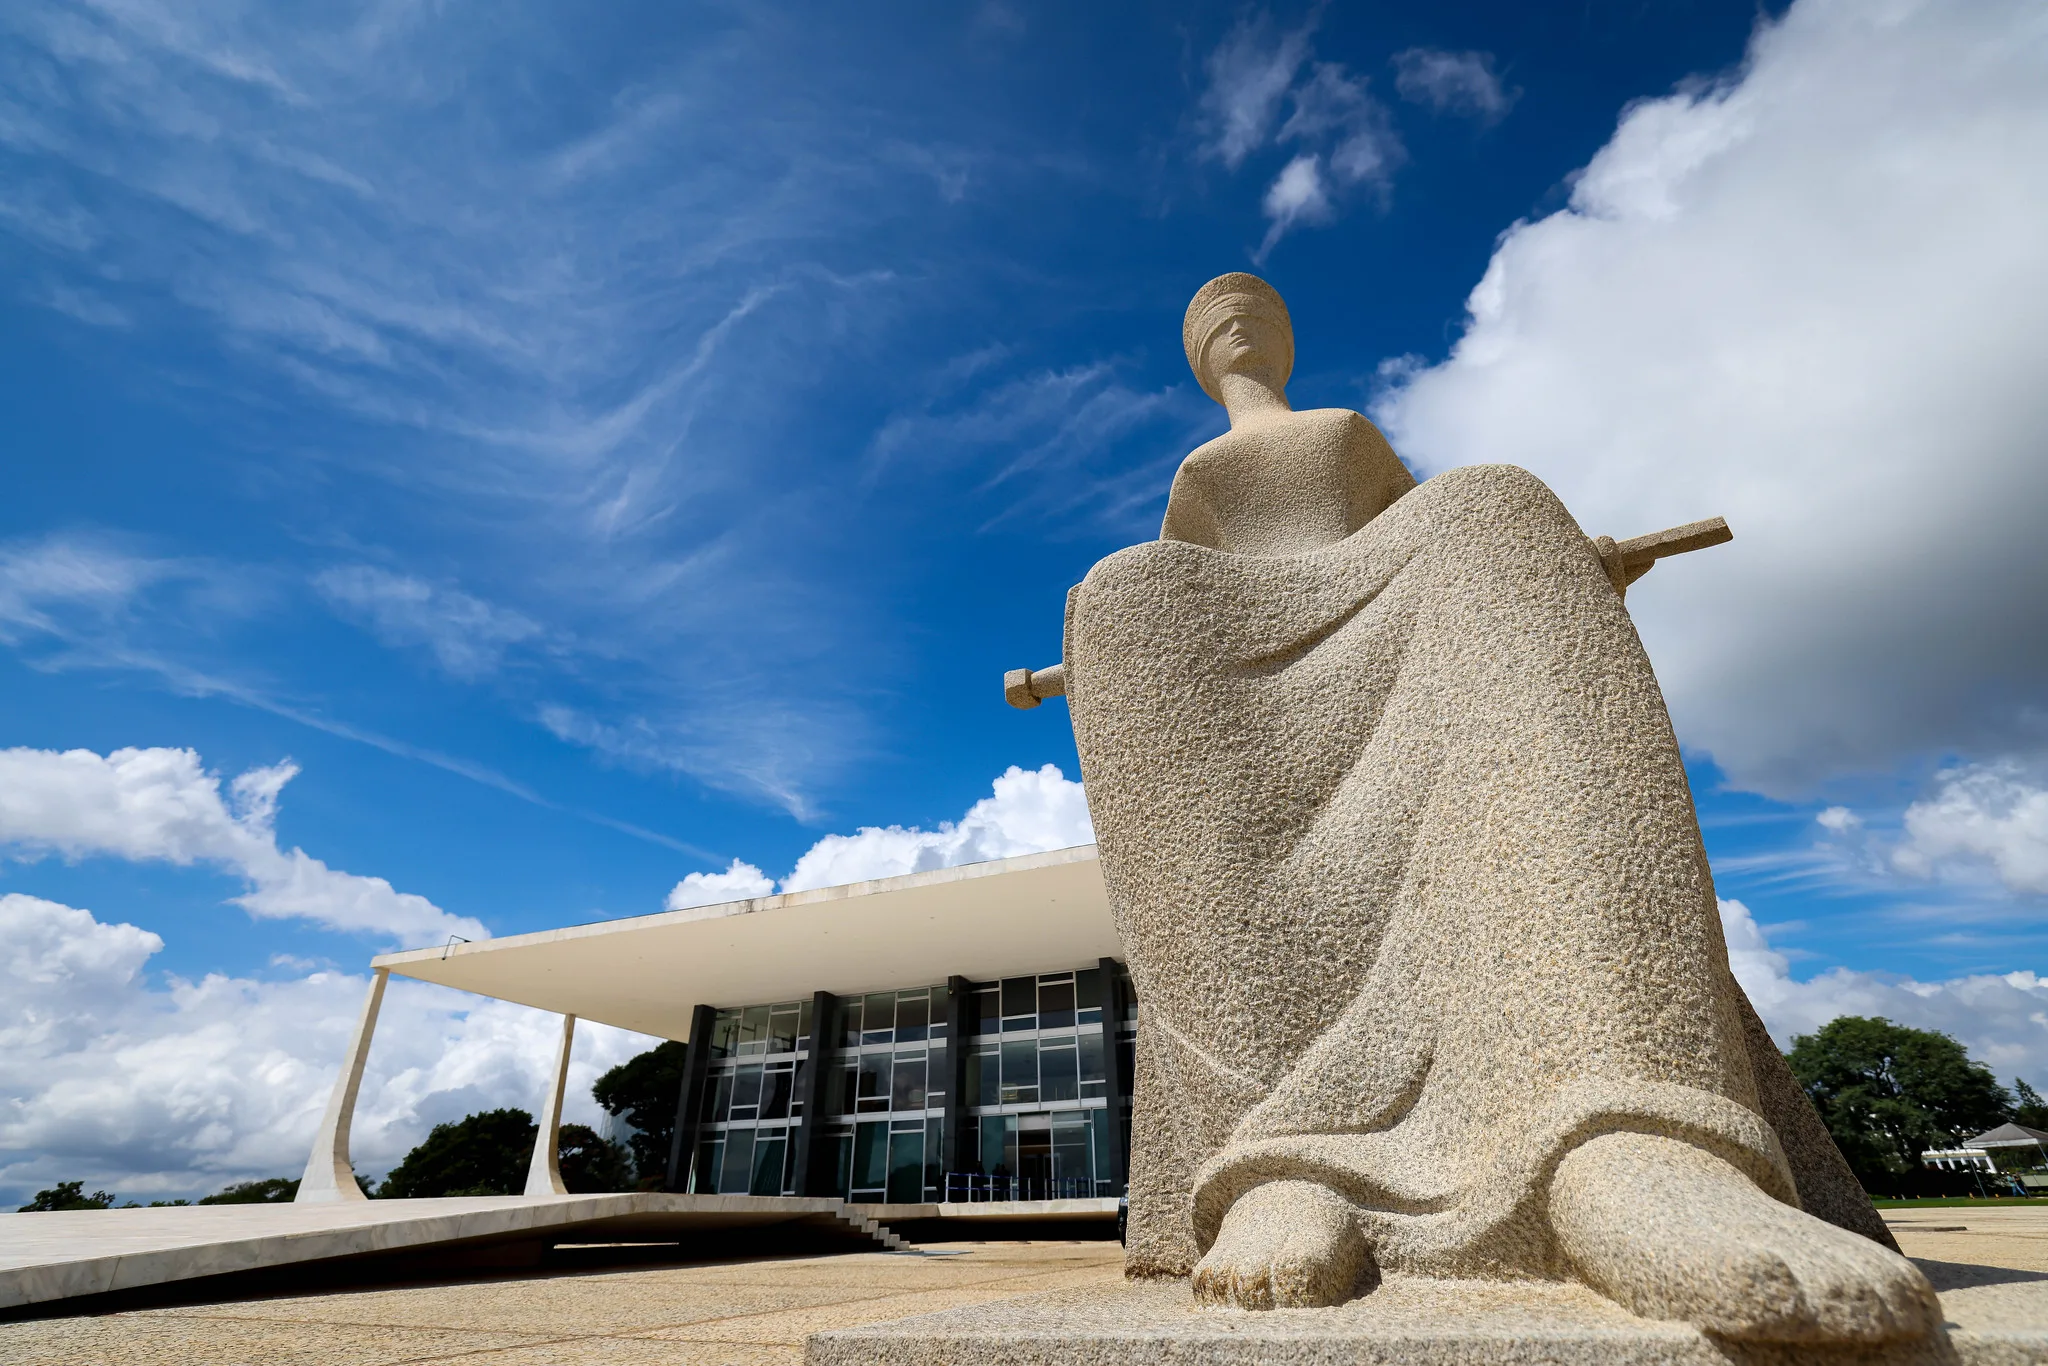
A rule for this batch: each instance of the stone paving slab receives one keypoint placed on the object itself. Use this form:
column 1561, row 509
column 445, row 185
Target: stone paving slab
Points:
column 752, row 1312
column 1405, row 1322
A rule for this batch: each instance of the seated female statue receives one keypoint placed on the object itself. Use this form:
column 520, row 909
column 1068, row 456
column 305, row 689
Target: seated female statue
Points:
column 1407, row 869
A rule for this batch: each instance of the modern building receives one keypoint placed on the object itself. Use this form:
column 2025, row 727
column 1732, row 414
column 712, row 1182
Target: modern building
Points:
column 963, row 1034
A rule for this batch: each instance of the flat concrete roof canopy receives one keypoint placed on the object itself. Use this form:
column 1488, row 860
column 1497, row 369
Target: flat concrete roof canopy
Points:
column 1004, row 918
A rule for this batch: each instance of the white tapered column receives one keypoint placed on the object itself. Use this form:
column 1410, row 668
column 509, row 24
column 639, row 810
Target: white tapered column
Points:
column 544, row 1173
column 329, row 1174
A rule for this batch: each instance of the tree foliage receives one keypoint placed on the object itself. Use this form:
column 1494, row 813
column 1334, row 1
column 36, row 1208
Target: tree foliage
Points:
column 275, row 1190
column 481, row 1154
column 643, row 1091
column 2031, row 1111
column 1887, row 1093
column 67, row 1195
column 592, row 1165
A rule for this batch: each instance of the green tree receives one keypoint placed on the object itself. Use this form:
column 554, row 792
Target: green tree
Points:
column 480, row 1154
column 643, row 1091
column 67, row 1195
column 2031, row 1111
column 1887, row 1093
column 275, row 1190
column 592, row 1165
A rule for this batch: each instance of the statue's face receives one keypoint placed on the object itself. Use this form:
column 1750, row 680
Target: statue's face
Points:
column 1247, row 344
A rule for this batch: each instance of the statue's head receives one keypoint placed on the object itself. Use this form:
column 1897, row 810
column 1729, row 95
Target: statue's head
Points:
column 1237, row 325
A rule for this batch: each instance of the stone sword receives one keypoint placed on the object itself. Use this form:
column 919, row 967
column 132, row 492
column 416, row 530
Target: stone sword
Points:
column 1624, row 561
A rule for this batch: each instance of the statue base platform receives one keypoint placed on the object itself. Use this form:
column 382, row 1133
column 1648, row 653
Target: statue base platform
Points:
column 1994, row 1317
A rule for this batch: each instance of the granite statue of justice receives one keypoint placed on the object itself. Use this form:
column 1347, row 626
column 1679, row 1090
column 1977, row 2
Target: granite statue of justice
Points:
column 1407, row 870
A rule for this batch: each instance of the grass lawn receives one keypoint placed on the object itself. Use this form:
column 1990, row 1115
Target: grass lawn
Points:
column 1944, row 1202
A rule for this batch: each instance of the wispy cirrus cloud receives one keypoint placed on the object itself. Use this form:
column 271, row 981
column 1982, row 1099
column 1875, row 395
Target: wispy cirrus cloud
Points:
column 1340, row 137
column 587, row 319
column 1454, row 83
column 466, row 635
column 1053, row 440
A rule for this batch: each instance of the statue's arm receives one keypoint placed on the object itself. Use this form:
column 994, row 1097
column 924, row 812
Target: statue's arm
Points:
column 1190, row 515
column 1377, row 476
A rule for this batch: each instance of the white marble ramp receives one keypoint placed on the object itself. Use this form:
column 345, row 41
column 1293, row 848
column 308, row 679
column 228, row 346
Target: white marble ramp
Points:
column 62, row 1254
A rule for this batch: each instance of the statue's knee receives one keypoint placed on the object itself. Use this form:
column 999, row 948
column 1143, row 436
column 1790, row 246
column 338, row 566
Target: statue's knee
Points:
column 1498, row 503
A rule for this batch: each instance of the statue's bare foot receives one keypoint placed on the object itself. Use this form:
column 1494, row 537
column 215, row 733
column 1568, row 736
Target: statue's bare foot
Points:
column 1285, row 1245
column 1673, row 1232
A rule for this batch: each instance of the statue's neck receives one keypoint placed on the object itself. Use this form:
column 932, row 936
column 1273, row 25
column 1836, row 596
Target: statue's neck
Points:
column 1250, row 400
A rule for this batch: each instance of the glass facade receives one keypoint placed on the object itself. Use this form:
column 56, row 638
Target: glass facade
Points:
column 1034, row 1119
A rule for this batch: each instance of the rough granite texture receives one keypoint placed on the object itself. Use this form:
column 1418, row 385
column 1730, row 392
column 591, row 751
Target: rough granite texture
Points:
column 1404, row 859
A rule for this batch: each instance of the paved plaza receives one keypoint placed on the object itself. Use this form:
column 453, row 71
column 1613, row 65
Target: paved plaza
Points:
column 742, row 1312
column 750, row 1312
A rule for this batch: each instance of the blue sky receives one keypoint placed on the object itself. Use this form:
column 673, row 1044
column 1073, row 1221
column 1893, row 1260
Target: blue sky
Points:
column 594, row 446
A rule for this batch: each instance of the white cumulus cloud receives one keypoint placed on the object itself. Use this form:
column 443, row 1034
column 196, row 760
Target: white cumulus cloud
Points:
column 1983, row 817
column 737, row 883
column 160, row 1091
column 1029, row 812
column 161, row 805
column 1816, row 305
column 2001, row 1018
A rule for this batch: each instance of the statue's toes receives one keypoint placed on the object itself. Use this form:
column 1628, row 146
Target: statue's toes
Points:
column 1312, row 1282
column 1277, row 1252
column 1830, row 1286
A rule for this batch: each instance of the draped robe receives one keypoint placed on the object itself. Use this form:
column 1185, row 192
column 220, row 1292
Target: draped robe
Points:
column 1408, row 875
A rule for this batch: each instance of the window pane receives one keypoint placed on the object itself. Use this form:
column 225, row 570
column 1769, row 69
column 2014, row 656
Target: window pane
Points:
column 908, row 1093
column 1020, row 996
column 746, row 1084
column 871, row 1156
column 1055, row 1005
column 710, row 1153
column 1056, row 1075
column 753, row 1030
column 1088, row 989
column 1070, row 1156
column 934, row 1156
column 839, row 1090
column 782, row 1030
column 796, row 1083
column 985, row 1076
column 767, row 1167
column 775, row 1093
column 986, row 1013
column 803, row 1025
column 1091, row 1059
column 725, row 1033
column 719, row 1102
column 880, row 1011
column 874, row 1081
column 999, row 1145
column 906, row 1168
column 842, row 1164
column 913, row 1013
column 739, row 1163
column 1102, row 1124
column 849, row 1023
column 1020, row 1070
